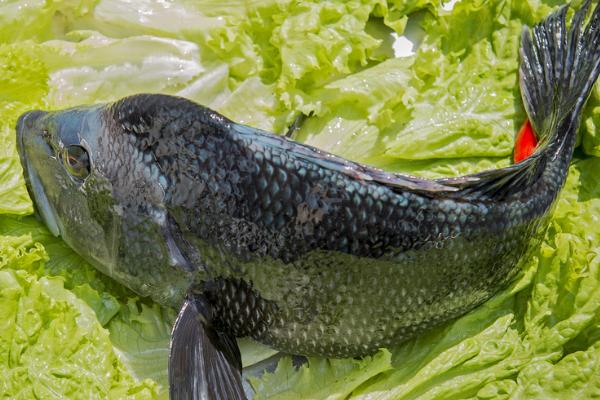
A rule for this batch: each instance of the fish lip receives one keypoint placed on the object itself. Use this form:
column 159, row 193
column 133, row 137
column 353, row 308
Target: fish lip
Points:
column 34, row 186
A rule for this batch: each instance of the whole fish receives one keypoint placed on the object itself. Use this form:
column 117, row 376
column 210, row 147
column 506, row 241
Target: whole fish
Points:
column 252, row 234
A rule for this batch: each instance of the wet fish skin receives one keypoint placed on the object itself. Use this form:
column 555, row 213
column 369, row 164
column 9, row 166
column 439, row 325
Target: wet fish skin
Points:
column 304, row 251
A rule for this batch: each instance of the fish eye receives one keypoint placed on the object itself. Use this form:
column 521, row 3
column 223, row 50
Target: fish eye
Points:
column 76, row 161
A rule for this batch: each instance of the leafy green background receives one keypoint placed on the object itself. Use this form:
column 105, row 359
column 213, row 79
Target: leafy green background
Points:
column 451, row 108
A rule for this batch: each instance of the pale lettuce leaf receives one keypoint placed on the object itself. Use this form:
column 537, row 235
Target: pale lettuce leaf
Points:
column 89, row 67
column 320, row 378
column 39, row 19
column 450, row 109
column 23, row 84
column 51, row 343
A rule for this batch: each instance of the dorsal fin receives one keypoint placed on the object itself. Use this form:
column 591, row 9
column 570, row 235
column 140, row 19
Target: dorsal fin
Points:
column 497, row 183
column 396, row 182
column 137, row 113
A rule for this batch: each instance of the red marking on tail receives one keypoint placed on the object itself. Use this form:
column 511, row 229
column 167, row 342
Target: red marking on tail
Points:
column 525, row 143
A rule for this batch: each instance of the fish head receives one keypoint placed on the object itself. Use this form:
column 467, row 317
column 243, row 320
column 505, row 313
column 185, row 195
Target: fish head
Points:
column 96, row 186
column 59, row 153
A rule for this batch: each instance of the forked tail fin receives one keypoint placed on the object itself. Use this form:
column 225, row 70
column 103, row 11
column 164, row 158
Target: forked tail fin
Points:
column 559, row 66
column 558, row 69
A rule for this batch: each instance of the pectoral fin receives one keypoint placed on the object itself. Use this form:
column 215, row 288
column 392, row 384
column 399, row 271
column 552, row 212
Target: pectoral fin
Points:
column 203, row 363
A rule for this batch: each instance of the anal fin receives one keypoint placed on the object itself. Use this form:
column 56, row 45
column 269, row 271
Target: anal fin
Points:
column 203, row 363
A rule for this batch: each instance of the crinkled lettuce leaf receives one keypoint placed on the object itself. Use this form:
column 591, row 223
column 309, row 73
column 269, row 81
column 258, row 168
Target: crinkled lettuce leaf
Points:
column 51, row 343
column 281, row 47
column 591, row 124
column 320, row 378
column 451, row 108
column 574, row 377
column 39, row 19
column 139, row 331
column 465, row 104
column 352, row 109
column 456, row 97
column 23, row 85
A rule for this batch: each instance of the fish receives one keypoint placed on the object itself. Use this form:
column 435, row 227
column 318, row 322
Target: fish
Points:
column 248, row 233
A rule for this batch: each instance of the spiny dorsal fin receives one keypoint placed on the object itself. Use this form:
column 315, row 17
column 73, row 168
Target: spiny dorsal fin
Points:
column 497, row 183
column 396, row 182
column 138, row 113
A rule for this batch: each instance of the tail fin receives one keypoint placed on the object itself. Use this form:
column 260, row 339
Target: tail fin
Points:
column 558, row 69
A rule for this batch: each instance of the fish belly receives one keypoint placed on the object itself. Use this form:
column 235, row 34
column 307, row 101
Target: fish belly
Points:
column 338, row 305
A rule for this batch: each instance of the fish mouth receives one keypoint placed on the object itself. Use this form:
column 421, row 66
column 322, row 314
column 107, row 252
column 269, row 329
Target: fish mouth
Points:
column 42, row 206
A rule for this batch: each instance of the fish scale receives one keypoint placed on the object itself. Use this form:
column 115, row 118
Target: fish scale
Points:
column 328, row 226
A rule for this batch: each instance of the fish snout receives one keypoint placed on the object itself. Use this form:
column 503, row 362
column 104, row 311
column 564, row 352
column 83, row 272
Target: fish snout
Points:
column 28, row 120
column 27, row 126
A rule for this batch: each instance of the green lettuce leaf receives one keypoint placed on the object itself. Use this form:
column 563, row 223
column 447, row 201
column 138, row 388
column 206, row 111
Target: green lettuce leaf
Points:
column 138, row 332
column 89, row 67
column 591, row 124
column 286, row 47
column 320, row 378
column 456, row 97
column 140, row 335
column 352, row 110
column 451, row 108
column 23, row 84
column 38, row 19
column 574, row 377
column 51, row 344
column 173, row 19
column 465, row 105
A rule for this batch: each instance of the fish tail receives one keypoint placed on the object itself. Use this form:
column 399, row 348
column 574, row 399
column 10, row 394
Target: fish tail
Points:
column 558, row 69
column 559, row 66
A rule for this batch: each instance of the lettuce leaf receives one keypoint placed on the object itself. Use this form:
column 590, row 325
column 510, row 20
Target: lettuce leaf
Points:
column 89, row 67
column 23, row 84
column 320, row 378
column 51, row 344
column 465, row 106
column 574, row 377
column 140, row 335
column 456, row 98
column 451, row 108
column 286, row 46
column 38, row 19
column 591, row 124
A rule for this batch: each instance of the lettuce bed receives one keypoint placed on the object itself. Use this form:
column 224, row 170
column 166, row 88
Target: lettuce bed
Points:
column 451, row 108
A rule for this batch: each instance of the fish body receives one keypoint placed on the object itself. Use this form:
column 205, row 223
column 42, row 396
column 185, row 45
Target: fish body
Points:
column 257, row 235
column 295, row 247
